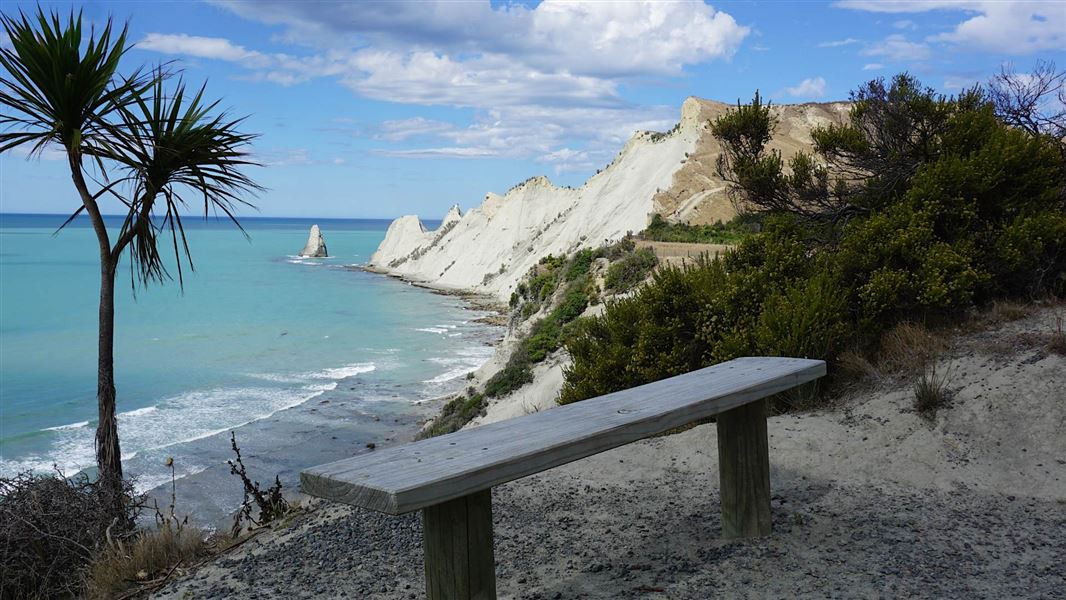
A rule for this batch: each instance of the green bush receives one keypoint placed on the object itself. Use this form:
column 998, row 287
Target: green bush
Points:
column 809, row 320
column 543, row 339
column 579, row 265
column 573, row 304
column 1029, row 256
column 630, row 270
column 546, row 335
column 720, row 233
column 456, row 413
column 551, row 262
column 513, row 376
column 617, row 250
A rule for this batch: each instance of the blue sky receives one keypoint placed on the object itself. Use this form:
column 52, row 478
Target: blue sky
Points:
column 377, row 109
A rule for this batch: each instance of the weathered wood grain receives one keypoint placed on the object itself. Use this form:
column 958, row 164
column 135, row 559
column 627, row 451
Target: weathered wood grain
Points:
column 405, row 478
column 744, row 470
column 457, row 538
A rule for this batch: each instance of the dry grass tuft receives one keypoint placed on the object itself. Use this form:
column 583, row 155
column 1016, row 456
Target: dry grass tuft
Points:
column 857, row 366
column 805, row 397
column 1005, row 311
column 145, row 561
column 931, row 390
column 1057, row 344
column 908, row 348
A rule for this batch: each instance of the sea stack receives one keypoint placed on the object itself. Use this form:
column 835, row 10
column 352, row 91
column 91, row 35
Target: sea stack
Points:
column 316, row 245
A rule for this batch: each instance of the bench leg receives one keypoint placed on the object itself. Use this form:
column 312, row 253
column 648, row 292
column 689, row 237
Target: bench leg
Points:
column 457, row 538
column 744, row 468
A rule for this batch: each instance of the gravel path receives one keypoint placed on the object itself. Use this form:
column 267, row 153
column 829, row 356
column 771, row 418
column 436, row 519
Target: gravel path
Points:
column 558, row 536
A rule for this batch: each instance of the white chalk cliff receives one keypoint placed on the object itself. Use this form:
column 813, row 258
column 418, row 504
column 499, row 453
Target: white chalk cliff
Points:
column 316, row 244
column 488, row 249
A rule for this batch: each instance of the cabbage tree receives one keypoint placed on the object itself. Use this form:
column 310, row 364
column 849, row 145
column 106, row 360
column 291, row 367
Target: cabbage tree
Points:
column 135, row 139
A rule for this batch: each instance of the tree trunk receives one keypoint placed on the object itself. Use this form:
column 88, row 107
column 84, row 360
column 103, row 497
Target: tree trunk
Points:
column 108, row 454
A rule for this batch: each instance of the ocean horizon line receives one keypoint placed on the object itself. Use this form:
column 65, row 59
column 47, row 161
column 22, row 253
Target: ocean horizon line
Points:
column 208, row 217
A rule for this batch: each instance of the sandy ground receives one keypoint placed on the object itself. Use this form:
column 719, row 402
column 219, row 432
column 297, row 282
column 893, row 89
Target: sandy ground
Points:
column 870, row 500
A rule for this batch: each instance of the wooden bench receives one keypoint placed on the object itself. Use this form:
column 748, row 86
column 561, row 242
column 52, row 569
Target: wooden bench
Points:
column 450, row 478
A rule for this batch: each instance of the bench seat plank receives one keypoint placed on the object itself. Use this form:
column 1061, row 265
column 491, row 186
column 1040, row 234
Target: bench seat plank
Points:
column 413, row 476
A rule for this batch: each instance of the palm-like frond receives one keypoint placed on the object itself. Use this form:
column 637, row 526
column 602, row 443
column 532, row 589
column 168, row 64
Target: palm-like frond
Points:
column 57, row 89
column 175, row 149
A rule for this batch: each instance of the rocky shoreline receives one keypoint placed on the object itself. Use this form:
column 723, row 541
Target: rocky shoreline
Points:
column 476, row 300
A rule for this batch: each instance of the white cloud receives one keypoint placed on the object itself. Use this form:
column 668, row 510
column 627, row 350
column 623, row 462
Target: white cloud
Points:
column 808, row 88
column 993, row 26
column 897, row 47
column 291, row 157
column 568, row 159
column 453, row 152
column 905, row 24
column 488, row 81
column 601, row 39
column 620, row 38
column 838, row 43
column 1006, row 28
column 277, row 68
column 904, row 6
column 200, row 47
column 541, row 80
column 543, row 134
column 402, row 129
column 474, row 55
column 872, row 66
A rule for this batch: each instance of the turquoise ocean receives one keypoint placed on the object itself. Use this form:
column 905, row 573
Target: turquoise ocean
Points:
column 306, row 360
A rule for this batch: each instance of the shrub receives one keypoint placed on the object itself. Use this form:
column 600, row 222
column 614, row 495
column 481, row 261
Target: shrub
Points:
column 552, row 262
column 456, row 413
column 528, row 310
column 514, row 375
column 808, row 320
column 1029, row 256
column 729, row 233
column 580, row 264
column 540, row 285
column 574, row 303
column 258, row 506
column 630, row 270
column 51, row 527
column 654, row 334
column 543, row 339
column 617, row 250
